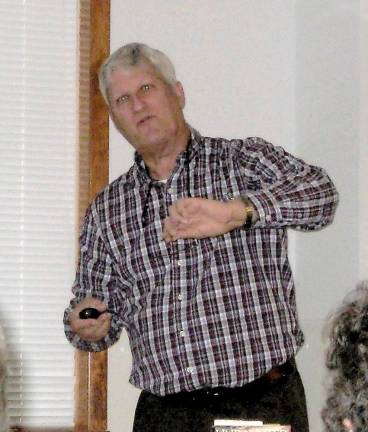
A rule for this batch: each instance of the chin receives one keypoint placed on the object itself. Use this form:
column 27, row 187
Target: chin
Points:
column 154, row 137
column 151, row 136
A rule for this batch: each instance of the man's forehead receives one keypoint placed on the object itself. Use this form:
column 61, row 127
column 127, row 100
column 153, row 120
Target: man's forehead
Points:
column 129, row 72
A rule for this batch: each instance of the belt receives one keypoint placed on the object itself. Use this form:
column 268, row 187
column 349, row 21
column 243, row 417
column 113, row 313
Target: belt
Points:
column 281, row 371
column 276, row 375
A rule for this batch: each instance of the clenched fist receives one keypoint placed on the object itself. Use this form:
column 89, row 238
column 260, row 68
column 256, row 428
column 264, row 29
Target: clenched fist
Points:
column 90, row 330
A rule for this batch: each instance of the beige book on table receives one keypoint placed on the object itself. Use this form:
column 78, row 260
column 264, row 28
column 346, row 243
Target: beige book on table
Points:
column 264, row 428
column 229, row 425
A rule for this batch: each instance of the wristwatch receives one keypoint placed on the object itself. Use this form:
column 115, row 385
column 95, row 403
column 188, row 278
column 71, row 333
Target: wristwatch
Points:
column 249, row 210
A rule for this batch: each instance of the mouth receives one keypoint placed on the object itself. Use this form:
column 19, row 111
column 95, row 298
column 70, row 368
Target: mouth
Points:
column 144, row 120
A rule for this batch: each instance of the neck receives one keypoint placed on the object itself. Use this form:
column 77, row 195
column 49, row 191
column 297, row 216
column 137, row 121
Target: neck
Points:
column 162, row 162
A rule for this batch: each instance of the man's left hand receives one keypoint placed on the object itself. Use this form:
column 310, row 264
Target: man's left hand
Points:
column 200, row 218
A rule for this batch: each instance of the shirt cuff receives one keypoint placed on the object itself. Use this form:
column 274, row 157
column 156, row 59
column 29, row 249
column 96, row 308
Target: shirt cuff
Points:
column 267, row 208
column 101, row 345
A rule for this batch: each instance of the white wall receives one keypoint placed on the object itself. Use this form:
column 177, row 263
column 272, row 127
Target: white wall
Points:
column 236, row 63
column 328, row 131
column 363, row 135
column 286, row 70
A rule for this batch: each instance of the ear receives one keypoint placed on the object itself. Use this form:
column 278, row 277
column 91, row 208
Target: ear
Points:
column 179, row 91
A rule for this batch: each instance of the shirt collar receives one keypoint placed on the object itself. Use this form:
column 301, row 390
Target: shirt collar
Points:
column 194, row 142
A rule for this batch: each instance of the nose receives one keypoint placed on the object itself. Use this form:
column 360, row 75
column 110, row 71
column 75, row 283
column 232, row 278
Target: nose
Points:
column 137, row 103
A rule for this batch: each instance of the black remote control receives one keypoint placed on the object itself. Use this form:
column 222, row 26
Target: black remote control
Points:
column 90, row 312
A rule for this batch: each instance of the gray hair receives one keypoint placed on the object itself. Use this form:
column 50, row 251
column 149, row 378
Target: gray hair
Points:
column 347, row 362
column 3, row 374
column 130, row 55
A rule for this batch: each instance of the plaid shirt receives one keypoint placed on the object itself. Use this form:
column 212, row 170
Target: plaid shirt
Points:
column 212, row 312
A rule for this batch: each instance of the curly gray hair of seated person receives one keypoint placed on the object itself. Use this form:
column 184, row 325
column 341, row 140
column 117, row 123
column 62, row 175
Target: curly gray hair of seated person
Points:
column 347, row 362
column 131, row 55
column 3, row 412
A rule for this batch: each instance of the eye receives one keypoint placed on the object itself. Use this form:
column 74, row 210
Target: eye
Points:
column 146, row 87
column 122, row 99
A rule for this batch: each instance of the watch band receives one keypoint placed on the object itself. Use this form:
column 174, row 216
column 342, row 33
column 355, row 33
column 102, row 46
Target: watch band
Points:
column 248, row 211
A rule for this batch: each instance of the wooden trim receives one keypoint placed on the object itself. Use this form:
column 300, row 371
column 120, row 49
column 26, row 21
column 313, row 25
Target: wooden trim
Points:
column 99, row 119
column 91, row 368
column 81, row 391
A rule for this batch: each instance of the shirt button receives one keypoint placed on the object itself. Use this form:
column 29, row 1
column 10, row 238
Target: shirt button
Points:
column 189, row 370
column 182, row 333
column 180, row 297
column 179, row 263
column 170, row 190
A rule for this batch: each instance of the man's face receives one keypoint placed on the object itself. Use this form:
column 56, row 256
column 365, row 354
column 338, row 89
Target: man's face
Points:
column 144, row 108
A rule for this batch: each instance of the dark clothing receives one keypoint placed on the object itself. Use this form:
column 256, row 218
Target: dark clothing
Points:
column 278, row 399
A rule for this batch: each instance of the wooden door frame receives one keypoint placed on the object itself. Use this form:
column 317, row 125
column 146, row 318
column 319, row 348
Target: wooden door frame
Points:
column 91, row 368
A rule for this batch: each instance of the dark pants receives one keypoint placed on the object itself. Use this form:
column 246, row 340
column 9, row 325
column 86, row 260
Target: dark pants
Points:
column 278, row 397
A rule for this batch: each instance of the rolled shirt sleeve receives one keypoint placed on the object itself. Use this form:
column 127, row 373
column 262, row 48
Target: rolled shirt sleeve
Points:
column 96, row 277
column 289, row 192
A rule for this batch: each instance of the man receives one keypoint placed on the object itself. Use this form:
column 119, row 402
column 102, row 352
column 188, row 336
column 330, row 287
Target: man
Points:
column 188, row 252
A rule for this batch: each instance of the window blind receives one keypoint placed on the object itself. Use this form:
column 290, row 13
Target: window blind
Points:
column 84, row 105
column 38, row 212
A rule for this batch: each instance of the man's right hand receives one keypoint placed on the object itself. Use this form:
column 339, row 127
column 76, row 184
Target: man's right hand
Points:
column 90, row 330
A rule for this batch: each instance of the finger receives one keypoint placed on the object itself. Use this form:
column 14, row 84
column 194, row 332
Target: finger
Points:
column 90, row 302
column 180, row 232
column 174, row 229
column 96, row 303
column 79, row 325
column 101, row 329
column 185, row 233
column 177, row 214
column 169, row 229
column 190, row 206
column 96, row 330
column 168, row 237
column 106, row 323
